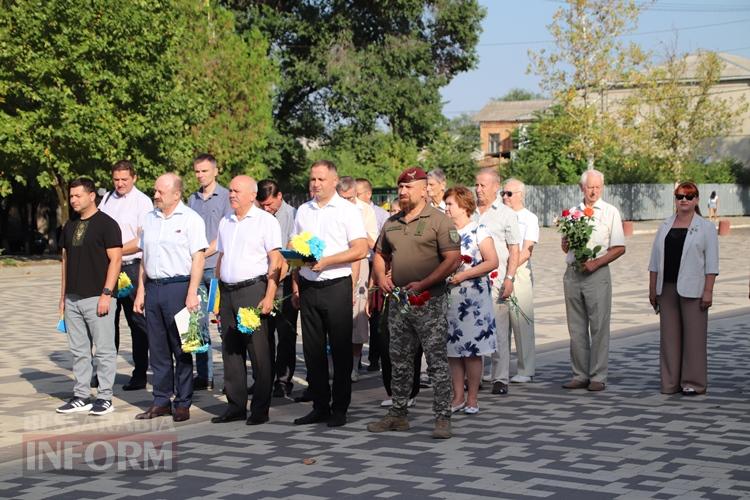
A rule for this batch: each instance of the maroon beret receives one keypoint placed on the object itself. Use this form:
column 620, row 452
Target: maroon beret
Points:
column 412, row 174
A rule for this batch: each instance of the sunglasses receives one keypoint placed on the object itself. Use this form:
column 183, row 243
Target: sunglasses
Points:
column 680, row 197
column 506, row 193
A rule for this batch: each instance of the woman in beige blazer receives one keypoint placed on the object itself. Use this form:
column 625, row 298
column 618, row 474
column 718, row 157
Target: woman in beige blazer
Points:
column 683, row 267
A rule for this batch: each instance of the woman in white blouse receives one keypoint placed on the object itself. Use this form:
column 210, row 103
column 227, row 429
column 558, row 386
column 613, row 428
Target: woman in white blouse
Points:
column 683, row 267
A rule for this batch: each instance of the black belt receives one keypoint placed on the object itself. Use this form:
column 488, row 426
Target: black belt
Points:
column 230, row 287
column 322, row 284
column 131, row 262
column 171, row 279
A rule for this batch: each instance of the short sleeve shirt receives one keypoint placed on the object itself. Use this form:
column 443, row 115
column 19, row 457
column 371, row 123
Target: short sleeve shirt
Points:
column 502, row 223
column 86, row 242
column 211, row 211
column 607, row 231
column 245, row 244
column 415, row 247
column 528, row 227
column 168, row 243
column 337, row 223
column 128, row 211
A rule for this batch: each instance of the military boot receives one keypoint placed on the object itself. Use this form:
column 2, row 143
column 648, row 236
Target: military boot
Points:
column 389, row 423
column 442, row 428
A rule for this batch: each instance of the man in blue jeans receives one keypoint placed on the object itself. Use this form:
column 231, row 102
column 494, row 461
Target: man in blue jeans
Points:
column 211, row 201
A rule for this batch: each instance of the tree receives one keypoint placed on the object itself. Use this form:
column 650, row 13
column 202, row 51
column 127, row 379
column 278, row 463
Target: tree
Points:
column 87, row 83
column 354, row 67
column 453, row 150
column 588, row 60
column 518, row 94
column 681, row 114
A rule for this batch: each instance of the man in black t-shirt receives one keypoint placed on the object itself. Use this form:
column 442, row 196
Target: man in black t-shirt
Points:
column 92, row 253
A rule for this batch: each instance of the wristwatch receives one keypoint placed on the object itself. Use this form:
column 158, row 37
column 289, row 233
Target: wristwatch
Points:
column 511, row 278
column 106, row 291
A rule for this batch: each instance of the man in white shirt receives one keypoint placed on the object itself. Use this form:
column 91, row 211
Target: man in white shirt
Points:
column 347, row 189
column 127, row 205
column 588, row 289
column 502, row 223
column 173, row 241
column 324, row 293
column 514, row 193
column 248, row 266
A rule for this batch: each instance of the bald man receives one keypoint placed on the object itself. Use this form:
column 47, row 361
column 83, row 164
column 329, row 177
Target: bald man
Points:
column 248, row 267
column 173, row 241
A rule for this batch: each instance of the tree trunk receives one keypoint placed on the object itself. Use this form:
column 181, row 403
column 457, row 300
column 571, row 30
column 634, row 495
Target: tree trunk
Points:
column 61, row 190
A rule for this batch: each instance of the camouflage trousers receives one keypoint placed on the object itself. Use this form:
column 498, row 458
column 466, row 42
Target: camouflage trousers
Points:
column 427, row 325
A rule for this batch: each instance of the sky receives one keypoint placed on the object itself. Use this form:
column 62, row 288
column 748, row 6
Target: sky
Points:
column 512, row 27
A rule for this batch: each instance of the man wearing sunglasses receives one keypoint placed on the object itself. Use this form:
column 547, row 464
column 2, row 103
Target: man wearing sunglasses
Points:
column 522, row 325
column 588, row 289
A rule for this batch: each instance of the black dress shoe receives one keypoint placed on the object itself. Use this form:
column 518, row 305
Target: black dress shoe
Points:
column 153, row 412
column 305, row 398
column 134, row 385
column 278, row 389
column 228, row 417
column 374, row 367
column 337, row 419
column 257, row 419
column 313, row 417
column 251, row 390
column 181, row 414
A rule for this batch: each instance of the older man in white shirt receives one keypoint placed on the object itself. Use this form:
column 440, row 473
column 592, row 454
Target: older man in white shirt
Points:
column 522, row 322
column 173, row 242
column 248, row 269
column 588, row 289
column 127, row 205
column 324, row 292
column 502, row 223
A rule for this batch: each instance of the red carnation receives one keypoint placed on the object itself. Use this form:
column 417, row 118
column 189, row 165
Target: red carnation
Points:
column 565, row 212
column 466, row 259
column 493, row 275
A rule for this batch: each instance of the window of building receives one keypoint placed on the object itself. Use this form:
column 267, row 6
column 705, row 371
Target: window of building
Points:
column 494, row 143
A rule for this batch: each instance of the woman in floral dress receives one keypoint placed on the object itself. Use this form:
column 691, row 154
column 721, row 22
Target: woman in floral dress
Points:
column 471, row 322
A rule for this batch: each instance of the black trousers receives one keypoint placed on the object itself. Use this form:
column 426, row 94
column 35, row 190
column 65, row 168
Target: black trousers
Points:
column 236, row 345
column 326, row 311
column 284, row 325
column 136, row 323
column 385, row 357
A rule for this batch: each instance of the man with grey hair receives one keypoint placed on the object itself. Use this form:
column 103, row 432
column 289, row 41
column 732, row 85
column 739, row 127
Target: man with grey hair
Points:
column 502, row 224
column 436, row 183
column 588, row 288
column 173, row 241
column 347, row 189
column 522, row 325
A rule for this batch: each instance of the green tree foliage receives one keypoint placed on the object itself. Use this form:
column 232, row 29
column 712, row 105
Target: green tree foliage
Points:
column 87, row 83
column 590, row 58
column 353, row 67
column 518, row 94
column 454, row 150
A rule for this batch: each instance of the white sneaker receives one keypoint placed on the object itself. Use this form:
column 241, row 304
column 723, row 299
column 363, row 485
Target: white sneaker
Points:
column 411, row 402
column 486, row 378
column 355, row 375
column 387, row 403
column 520, row 379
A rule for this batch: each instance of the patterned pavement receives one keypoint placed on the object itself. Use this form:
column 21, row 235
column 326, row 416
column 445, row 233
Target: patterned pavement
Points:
column 539, row 442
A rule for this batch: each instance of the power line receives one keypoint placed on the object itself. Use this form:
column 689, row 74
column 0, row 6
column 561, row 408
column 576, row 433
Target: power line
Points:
column 643, row 33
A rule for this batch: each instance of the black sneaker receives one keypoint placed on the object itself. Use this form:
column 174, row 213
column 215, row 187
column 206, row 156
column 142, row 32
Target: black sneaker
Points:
column 499, row 388
column 278, row 389
column 102, row 407
column 75, row 405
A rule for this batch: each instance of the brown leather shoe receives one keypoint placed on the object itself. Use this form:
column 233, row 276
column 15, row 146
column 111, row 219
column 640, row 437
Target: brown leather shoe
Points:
column 596, row 386
column 181, row 414
column 153, row 412
column 576, row 384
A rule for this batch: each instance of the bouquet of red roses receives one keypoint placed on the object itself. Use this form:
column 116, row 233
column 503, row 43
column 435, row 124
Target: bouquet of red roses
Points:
column 575, row 225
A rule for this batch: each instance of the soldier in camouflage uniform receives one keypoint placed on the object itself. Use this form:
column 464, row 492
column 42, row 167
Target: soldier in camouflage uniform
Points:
column 421, row 247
